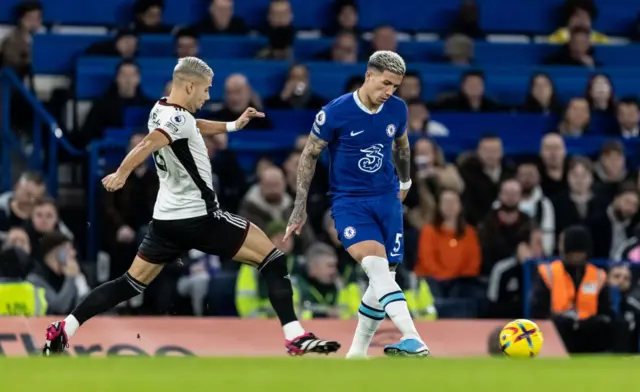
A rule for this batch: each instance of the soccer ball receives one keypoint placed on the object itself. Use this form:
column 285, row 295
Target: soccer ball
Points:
column 521, row 339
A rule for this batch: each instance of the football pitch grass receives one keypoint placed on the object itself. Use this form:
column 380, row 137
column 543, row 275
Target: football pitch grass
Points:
column 333, row 374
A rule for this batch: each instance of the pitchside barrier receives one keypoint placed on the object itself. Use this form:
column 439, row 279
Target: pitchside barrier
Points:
column 220, row 337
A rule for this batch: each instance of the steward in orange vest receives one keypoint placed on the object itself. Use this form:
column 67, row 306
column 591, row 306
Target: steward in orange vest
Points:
column 575, row 295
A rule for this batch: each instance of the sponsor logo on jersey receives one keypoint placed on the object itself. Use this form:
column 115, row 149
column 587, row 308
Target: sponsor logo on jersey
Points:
column 179, row 119
column 316, row 129
column 349, row 232
column 321, row 118
column 171, row 126
column 391, row 130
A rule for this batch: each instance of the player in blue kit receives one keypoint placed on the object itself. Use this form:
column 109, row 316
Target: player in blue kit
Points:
column 365, row 133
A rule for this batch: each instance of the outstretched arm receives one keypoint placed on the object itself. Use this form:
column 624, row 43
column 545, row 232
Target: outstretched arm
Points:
column 402, row 157
column 306, row 169
column 208, row 127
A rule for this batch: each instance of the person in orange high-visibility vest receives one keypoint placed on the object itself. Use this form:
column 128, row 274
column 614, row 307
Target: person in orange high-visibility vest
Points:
column 574, row 294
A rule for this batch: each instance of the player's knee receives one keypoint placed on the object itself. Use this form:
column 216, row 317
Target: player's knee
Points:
column 144, row 271
column 366, row 248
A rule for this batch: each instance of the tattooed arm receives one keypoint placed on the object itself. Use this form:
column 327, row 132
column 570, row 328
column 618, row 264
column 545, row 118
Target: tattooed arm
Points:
column 402, row 157
column 306, row 169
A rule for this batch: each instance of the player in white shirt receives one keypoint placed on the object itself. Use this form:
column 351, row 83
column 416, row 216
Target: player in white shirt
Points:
column 187, row 214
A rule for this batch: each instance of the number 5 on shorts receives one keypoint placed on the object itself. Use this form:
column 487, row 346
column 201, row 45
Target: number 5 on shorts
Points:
column 398, row 243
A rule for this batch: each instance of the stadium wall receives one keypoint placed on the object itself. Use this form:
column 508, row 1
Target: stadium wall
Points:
column 176, row 336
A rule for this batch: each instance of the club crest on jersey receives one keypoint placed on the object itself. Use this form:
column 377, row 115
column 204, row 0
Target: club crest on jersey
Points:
column 349, row 232
column 391, row 130
column 321, row 117
column 179, row 119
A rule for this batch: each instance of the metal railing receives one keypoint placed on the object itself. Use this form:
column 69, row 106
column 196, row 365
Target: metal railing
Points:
column 42, row 122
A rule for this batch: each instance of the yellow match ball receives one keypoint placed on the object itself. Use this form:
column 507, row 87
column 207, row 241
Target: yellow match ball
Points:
column 521, row 339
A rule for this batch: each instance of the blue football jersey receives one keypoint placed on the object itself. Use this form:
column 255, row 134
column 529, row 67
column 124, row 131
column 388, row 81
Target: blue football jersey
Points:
column 360, row 145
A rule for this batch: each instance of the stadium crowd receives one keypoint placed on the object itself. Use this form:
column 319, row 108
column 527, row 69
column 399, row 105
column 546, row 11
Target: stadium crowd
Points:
column 472, row 221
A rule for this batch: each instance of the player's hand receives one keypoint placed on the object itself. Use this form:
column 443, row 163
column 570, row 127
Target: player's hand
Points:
column 114, row 181
column 245, row 117
column 296, row 221
column 403, row 195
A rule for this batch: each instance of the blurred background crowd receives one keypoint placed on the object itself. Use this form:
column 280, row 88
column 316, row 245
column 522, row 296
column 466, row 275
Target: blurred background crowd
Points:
column 524, row 119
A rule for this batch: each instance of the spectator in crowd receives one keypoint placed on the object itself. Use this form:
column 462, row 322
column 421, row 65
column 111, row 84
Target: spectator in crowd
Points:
column 17, row 296
column 297, row 92
column 194, row 283
column 59, row 274
column 268, row 201
column 15, row 49
column 44, row 219
column 541, row 97
column 536, row 205
column 231, row 179
column 16, row 207
column 628, row 116
column 420, row 123
column 221, row 20
column 346, row 18
column 471, row 97
column 448, row 250
column 577, row 51
column 322, row 293
column 279, row 31
column 432, row 174
column 124, row 45
column 108, row 110
column 599, row 93
column 458, row 50
column 610, row 170
column 127, row 213
column 576, row 118
column 580, row 307
column 468, row 20
column 411, row 87
column 187, row 43
column 504, row 227
column 613, row 226
column 482, row 175
column 252, row 297
column 505, row 291
column 629, row 250
column 148, row 17
column 354, row 83
column 553, row 154
column 343, row 50
column 17, row 239
column 626, row 333
column 238, row 95
column 384, row 38
column 578, row 204
column 578, row 13
column 317, row 202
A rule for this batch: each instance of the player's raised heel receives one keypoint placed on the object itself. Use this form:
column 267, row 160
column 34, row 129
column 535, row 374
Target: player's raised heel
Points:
column 56, row 340
column 309, row 343
column 407, row 348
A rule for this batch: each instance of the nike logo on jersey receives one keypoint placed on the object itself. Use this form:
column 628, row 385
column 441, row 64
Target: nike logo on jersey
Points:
column 356, row 133
column 394, row 254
